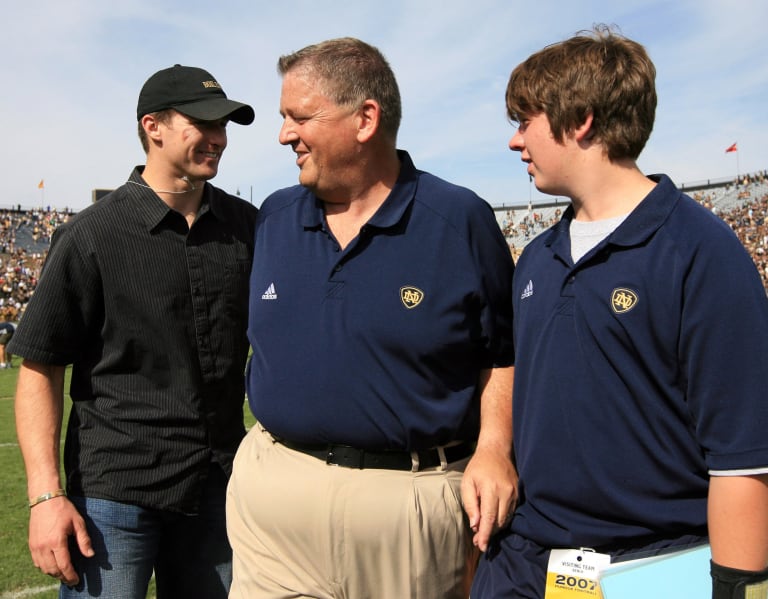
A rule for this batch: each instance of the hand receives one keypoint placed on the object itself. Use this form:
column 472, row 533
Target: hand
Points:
column 51, row 523
column 489, row 491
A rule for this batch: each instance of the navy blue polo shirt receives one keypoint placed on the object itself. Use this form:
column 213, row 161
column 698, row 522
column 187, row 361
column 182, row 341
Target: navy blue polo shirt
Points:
column 639, row 369
column 379, row 345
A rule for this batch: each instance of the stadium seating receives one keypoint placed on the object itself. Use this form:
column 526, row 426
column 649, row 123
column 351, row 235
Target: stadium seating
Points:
column 25, row 234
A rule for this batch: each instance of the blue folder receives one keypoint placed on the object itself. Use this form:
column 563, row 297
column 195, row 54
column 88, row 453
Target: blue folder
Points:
column 680, row 575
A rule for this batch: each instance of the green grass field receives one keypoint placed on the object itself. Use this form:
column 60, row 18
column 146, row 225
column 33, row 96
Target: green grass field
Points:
column 16, row 570
column 18, row 577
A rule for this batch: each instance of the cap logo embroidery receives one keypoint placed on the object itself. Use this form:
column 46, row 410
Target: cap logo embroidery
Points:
column 213, row 84
column 411, row 296
column 623, row 300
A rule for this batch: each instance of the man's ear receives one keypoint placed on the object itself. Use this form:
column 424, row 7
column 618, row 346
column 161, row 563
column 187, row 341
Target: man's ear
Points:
column 369, row 115
column 151, row 127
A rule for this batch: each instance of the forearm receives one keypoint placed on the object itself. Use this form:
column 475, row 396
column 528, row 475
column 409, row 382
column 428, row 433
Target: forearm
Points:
column 738, row 521
column 39, row 408
column 489, row 485
column 496, row 410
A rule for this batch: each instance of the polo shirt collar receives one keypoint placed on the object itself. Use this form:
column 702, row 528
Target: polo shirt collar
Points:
column 312, row 216
column 389, row 213
column 400, row 198
column 641, row 223
column 649, row 215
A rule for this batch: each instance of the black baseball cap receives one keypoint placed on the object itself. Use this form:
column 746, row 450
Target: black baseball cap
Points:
column 193, row 92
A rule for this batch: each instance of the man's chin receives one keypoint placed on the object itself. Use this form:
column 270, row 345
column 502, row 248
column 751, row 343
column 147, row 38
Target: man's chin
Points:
column 307, row 181
column 203, row 175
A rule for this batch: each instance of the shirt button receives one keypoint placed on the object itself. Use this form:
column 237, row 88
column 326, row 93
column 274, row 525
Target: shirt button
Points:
column 337, row 268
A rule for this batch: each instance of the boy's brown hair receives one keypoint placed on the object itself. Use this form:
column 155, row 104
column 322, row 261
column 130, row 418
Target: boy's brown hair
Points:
column 598, row 72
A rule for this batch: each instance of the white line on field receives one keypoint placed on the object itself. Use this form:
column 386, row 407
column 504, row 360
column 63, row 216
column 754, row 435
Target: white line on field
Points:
column 28, row 592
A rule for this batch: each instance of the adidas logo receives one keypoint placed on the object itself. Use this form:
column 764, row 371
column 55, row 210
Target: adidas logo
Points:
column 270, row 293
column 528, row 291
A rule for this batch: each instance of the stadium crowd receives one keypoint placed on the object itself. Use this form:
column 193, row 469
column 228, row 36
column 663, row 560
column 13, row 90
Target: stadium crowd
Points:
column 24, row 239
column 749, row 223
column 25, row 235
column 530, row 225
column 748, row 218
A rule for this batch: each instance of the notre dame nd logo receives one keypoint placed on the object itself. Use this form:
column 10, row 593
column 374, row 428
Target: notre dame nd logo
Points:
column 623, row 300
column 411, row 296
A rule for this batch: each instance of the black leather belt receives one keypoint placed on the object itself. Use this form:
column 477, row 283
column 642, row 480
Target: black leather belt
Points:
column 350, row 457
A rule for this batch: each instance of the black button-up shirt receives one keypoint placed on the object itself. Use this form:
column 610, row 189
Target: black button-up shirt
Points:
column 152, row 315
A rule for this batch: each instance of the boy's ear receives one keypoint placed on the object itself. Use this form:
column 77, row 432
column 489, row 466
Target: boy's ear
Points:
column 584, row 131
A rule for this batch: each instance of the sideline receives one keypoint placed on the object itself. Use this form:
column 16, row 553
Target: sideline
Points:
column 28, row 592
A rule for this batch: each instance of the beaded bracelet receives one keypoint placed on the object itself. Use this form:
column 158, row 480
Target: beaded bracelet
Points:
column 46, row 497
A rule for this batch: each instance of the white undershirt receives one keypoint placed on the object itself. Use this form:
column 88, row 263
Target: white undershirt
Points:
column 587, row 234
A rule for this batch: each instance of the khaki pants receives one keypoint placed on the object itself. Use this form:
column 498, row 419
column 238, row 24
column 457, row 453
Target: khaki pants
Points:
column 301, row 528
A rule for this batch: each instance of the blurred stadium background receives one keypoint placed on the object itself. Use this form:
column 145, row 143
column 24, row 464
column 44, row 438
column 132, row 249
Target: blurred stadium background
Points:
column 743, row 203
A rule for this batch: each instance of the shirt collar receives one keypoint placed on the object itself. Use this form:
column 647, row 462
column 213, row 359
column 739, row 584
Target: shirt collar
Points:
column 389, row 213
column 641, row 223
column 152, row 210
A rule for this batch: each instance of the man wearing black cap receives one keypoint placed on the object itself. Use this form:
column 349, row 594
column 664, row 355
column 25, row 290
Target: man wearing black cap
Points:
column 145, row 293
